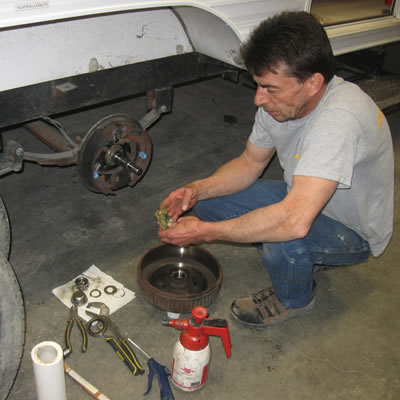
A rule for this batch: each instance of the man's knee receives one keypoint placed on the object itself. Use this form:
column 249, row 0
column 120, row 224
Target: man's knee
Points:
column 282, row 252
column 206, row 210
column 200, row 209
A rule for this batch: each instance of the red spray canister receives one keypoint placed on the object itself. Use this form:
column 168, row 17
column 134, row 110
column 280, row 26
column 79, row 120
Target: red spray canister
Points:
column 191, row 356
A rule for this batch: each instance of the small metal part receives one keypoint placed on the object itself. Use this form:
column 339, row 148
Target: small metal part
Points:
column 139, row 348
column 115, row 156
column 119, row 293
column 82, row 283
column 79, row 298
column 163, row 218
column 102, row 307
column 110, row 289
column 95, row 293
column 97, row 325
column 66, row 87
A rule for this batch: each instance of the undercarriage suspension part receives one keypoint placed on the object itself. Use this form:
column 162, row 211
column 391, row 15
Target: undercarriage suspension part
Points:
column 115, row 153
column 12, row 159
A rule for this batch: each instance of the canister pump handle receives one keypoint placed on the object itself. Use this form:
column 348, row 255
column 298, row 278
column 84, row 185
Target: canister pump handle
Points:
column 219, row 327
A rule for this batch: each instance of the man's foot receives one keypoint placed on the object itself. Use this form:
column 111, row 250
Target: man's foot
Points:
column 264, row 309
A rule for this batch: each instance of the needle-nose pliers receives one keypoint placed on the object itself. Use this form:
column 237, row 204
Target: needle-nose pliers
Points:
column 74, row 317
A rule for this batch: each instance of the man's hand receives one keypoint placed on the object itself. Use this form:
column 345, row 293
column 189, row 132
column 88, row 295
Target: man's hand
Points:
column 180, row 200
column 186, row 231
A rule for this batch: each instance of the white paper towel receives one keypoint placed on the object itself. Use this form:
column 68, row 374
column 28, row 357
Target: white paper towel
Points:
column 98, row 280
column 48, row 368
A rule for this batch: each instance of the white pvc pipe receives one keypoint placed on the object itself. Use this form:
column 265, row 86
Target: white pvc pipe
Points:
column 48, row 368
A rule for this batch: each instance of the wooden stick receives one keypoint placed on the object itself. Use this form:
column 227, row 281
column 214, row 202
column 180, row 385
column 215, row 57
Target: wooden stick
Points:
column 92, row 390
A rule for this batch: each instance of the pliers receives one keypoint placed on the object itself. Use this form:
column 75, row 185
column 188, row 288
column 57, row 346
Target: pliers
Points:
column 81, row 325
column 100, row 325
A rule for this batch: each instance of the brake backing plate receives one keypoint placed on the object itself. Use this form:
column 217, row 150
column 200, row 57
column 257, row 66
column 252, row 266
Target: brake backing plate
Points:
column 115, row 153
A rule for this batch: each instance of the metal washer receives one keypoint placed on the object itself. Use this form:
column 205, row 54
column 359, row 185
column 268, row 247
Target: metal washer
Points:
column 95, row 293
column 110, row 289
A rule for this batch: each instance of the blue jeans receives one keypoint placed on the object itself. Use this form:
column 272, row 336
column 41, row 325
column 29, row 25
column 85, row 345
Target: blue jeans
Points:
column 290, row 264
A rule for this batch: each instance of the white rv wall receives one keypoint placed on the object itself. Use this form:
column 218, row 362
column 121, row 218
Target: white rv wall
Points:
column 46, row 52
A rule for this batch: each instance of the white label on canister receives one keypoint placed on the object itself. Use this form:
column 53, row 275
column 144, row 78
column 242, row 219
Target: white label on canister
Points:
column 189, row 368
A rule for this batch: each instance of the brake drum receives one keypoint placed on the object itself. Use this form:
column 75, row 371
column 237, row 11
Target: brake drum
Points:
column 176, row 279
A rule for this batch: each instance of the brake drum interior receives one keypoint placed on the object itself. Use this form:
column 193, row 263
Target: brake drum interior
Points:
column 176, row 279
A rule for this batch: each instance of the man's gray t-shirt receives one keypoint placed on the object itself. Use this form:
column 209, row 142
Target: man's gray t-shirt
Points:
column 346, row 138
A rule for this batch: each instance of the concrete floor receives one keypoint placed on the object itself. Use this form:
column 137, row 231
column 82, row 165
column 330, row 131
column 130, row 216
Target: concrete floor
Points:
column 347, row 348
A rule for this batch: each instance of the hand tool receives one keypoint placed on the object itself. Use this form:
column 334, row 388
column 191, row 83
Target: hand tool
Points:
column 81, row 325
column 99, row 325
column 98, row 305
column 161, row 372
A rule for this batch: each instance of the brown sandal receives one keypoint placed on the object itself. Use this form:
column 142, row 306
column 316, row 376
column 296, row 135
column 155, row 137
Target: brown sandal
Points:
column 264, row 309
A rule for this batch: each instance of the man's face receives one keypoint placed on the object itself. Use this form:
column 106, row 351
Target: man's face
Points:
column 282, row 96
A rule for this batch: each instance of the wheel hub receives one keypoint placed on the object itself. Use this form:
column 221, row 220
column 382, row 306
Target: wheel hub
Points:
column 115, row 153
column 181, row 279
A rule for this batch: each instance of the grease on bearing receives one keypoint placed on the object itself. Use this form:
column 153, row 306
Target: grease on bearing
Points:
column 163, row 218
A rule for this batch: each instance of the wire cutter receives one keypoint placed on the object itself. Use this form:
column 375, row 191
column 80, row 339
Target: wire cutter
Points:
column 102, row 325
column 81, row 325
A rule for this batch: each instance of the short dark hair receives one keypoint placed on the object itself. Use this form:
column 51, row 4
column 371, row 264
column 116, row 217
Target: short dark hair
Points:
column 294, row 40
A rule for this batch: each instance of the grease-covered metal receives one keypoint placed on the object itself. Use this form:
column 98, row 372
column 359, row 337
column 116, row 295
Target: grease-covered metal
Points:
column 163, row 218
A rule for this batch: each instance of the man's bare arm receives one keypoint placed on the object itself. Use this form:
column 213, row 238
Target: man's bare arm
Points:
column 232, row 177
column 287, row 220
column 236, row 174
